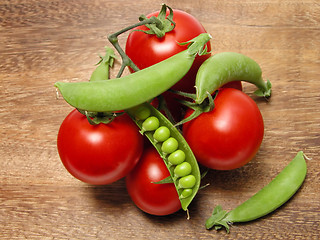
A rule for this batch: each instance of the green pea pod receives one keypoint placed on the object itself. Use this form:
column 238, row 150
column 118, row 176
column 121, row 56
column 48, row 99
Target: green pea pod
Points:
column 136, row 88
column 225, row 67
column 182, row 146
column 269, row 198
column 102, row 70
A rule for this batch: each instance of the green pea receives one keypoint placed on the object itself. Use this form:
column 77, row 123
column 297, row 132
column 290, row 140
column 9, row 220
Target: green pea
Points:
column 186, row 193
column 161, row 134
column 177, row 157
column 182, row 169
column 187, row 181
column 170, row 145
column 150, row 124
column 142, row 112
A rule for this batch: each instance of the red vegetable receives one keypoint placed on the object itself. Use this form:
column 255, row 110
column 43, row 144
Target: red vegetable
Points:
column 99, row 154
column 146, row 50
column 152, row 198
column 230, row 135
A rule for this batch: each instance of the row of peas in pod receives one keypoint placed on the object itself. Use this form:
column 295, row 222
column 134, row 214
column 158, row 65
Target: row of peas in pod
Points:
column 166, row 139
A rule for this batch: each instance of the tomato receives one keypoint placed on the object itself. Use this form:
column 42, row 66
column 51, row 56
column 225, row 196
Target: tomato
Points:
column 99, row 154
column 146, row 50
column 155, row 199
column 230, row 135
column 235, row 84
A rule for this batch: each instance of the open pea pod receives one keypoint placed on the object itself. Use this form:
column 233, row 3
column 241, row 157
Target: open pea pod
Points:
column 136, row 88
column 173, row 148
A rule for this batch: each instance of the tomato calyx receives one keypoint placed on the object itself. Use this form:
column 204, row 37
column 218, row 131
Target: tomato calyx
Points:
column 205, row 106
column 95, row 118
column 159, row 25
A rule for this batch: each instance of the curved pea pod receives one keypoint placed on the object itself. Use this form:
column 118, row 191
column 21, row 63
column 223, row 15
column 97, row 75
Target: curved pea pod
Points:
column 183, row 146
column 136, row 88
column 225, row 67
column 269, row 198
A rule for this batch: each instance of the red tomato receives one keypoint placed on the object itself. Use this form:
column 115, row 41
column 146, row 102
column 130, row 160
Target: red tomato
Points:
column 99, row 154
column 230, row 135
column 235, row 84
column 146, row 50
column 155, row 199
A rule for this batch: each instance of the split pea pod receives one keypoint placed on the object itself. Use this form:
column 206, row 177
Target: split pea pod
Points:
column 172, row 147
column 225, row 67
column 269, row 198
column 136, row 88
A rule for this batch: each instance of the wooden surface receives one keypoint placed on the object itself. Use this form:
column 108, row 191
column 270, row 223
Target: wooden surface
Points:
column 42, row 42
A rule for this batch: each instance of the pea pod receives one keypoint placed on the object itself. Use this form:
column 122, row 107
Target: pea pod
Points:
column 225, row 67
column 133, row 89
column 269, row 198
column 190, row 186
column 102, row 70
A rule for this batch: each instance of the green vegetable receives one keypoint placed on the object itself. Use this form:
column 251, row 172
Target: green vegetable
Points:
column 161, row 134
column 176, row 157
column 269, row 198
column 187, row 181
column 186, row 193
column 133, row 89
column 102, row 70
column 150, row 124
column 225, row 67
column 215, row 72
column 142, row 113
column 169, row 146
column 174, row 151
column 183, row 169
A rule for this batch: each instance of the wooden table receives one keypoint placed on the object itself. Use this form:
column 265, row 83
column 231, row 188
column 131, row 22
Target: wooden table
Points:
column 42, row 42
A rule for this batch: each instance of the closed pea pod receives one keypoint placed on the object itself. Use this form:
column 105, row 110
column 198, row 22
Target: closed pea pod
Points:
column 269, row 198
column 177, row 156
column 225, row 67
column 133, row 89
column 218, row 70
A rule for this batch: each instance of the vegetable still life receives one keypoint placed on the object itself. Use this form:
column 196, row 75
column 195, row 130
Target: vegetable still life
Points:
column 180, row 113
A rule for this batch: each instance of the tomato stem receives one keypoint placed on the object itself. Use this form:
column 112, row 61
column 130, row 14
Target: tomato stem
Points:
column 157, row 25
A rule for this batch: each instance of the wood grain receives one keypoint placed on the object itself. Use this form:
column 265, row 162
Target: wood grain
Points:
column 47, row 41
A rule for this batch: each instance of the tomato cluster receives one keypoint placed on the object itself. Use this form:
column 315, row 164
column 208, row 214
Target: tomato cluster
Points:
column 225, row 138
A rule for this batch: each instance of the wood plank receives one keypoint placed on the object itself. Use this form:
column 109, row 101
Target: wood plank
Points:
column 47, row 41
